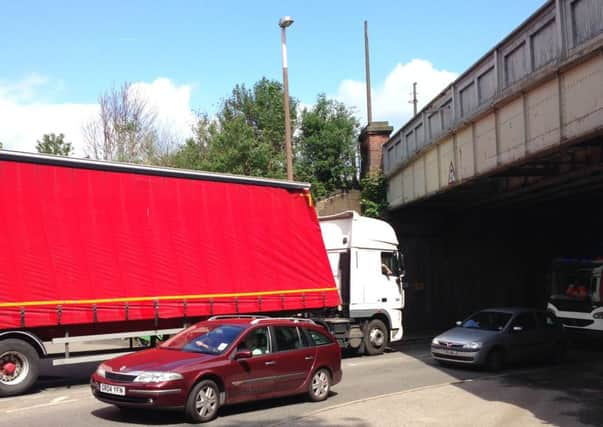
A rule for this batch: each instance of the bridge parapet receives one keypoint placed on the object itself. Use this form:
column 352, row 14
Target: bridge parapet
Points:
column 523, row 96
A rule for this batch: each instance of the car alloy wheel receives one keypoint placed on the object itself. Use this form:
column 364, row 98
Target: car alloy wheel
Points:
column 203, row 401
column 320, row 385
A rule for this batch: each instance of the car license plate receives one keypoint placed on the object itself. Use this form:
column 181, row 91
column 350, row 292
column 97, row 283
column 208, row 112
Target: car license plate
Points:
column 113, row 389
column 449, row 352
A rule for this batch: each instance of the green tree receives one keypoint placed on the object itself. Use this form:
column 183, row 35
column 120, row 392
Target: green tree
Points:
column 327, row 147
column 54, row 144
column 373, row 195
column 246, row 137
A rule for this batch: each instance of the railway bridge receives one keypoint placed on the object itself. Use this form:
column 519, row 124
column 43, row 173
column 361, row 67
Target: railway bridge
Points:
column 503, row 171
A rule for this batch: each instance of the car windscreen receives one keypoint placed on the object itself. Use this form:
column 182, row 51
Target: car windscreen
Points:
column 488, row 320
column 206, row 339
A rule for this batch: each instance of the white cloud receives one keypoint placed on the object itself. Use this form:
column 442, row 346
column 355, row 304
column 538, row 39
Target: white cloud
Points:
column 390, row 99
column 171, row 103
column 26, row 115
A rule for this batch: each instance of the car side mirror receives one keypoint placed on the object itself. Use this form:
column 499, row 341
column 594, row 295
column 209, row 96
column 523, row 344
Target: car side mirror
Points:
column 243, row 354
column 458, row 323
column 517, row 329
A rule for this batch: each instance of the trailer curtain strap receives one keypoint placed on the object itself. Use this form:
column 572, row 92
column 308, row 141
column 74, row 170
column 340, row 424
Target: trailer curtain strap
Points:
column 165, row 298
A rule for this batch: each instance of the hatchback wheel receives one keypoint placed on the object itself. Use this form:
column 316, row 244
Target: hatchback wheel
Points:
column 320, row 385
column 203, row 402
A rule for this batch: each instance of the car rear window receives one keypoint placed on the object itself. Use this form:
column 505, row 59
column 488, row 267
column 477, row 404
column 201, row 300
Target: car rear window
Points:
column 287, row 338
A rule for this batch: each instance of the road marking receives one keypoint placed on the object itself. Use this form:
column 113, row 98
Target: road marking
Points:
column 54, row 402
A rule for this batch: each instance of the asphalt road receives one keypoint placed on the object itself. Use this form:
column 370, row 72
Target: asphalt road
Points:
column 67, row 401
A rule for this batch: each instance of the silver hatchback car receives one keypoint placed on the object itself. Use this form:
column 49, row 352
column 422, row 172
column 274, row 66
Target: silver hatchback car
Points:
column 497, row 336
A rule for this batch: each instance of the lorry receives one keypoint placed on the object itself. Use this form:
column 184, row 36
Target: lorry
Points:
column 92, row 251
column 576, row 294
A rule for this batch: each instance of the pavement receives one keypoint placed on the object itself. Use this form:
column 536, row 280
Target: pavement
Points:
column 521, row 396
column 444, row 405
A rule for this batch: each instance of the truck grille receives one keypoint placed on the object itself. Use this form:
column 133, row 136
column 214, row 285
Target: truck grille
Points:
column 576, row 322
column 565, row 304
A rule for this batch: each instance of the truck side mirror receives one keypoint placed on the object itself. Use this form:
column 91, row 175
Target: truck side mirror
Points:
column 402, row 282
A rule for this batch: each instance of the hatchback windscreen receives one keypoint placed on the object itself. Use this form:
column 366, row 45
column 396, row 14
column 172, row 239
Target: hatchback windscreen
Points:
column 488, row 320
column 204, row 339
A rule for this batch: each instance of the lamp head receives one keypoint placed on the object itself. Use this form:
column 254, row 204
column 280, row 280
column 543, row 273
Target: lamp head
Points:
column 285, row 21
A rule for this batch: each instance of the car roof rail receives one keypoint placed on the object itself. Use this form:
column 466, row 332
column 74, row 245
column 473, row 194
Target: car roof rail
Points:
column 237, row 316
column 290, row 319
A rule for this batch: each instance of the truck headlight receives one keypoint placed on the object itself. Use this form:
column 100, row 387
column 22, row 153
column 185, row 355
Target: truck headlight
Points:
column 156, row 377
column 473, row 345
column 102, row 369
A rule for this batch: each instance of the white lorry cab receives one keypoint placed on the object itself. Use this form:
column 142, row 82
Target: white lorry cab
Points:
column 577, row 294
column 368, row 270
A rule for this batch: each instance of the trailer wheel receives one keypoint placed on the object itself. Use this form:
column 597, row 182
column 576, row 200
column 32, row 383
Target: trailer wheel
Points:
column 376, row 338
column 19, row 367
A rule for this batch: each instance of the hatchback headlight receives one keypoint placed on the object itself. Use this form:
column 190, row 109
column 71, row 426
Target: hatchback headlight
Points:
column 155, row 377
column 102, row 369
column 435, row 341
column 472, row 346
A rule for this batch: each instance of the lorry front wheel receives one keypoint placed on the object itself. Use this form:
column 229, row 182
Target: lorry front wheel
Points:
column 376, row 338
column 19, row 367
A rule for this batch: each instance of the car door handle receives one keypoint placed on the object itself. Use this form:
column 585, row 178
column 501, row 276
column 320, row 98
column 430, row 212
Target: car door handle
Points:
column 270, row 363
column 309, row 357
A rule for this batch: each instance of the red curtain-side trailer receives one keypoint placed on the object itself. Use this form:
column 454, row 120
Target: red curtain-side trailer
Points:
column 88, row 243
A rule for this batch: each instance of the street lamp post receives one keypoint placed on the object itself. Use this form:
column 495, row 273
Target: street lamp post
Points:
column 284, row 22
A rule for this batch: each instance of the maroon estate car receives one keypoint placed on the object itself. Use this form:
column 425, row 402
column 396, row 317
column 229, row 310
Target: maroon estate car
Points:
column 221, row 361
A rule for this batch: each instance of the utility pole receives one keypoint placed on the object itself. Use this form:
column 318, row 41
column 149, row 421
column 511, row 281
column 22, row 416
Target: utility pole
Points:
column 369, row 112
column 413, row 101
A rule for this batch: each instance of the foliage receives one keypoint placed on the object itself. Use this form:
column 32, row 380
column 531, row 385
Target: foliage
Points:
column 326, row 147
column 373, row 201
column 54, row 144
column 125, row 128
column 246, row 137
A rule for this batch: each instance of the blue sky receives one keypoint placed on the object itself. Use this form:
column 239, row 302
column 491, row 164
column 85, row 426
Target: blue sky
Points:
column 64, row 53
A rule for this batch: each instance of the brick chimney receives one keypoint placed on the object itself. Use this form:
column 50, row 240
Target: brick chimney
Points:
column 372, row 137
